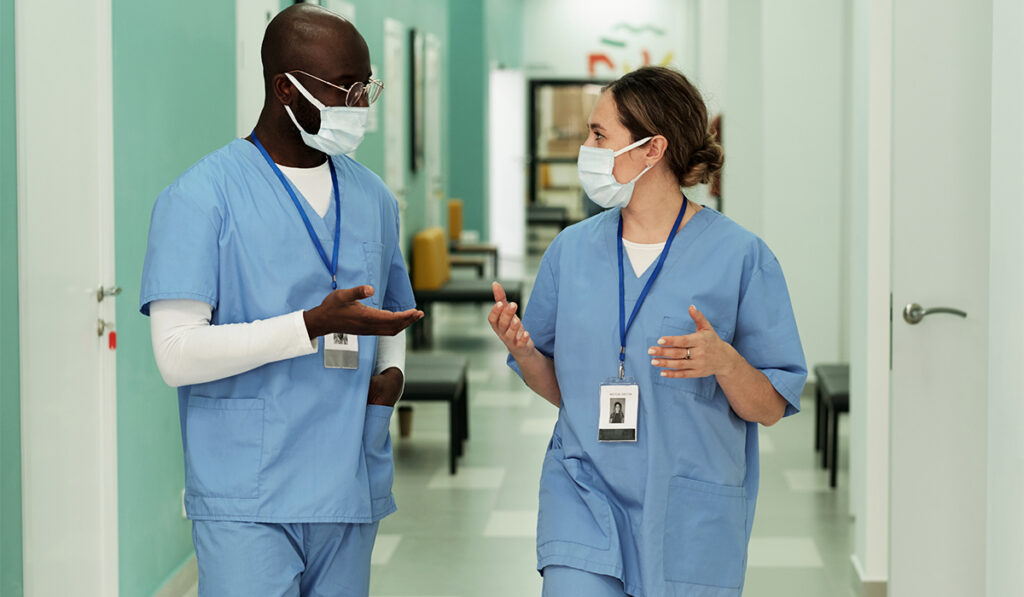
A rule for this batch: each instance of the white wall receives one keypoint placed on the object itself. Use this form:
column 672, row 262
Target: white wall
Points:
column 559, row 36
column 712, row 18
column 1005, row 545
column 783, row 142
column 743, row 116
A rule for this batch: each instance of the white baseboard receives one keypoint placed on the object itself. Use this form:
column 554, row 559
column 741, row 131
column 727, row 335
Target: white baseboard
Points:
column 863, row 587
column 183, row 583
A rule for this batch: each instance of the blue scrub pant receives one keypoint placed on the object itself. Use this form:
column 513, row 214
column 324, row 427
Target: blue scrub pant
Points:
column 562, row 581
column 283, row 560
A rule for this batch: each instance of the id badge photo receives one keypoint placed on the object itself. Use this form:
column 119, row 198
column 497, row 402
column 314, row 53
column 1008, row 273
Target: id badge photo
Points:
column 620, row 401
column 341, row 351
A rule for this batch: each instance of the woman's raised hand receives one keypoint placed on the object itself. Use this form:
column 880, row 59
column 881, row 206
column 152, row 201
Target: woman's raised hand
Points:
column 507, row 325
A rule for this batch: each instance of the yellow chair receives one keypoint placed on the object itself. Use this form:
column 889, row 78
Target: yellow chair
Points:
column 463, row 250
column 433, row 283
column 431, row 267
column 454, row 221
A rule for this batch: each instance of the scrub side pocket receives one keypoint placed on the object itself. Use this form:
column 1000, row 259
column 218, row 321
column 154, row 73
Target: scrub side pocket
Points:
column 372, row 251
column 705, row 533
column 702, row 388
column 224, row 448
column 571, row 510
column 380, row 468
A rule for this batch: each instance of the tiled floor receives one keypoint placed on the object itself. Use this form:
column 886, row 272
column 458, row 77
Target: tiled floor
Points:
column 472, row 534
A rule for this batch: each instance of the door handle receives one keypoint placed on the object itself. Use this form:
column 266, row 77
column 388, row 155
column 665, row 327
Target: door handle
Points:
column 104, row 291
column 103, row 326
column 914, row 313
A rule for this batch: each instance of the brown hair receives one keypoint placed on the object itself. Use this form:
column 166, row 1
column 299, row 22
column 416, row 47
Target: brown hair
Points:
column 655, row 100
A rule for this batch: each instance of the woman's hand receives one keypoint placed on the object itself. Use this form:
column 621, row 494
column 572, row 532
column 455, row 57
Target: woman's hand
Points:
column 507, row 325
column 699, row 354
column 538, row 370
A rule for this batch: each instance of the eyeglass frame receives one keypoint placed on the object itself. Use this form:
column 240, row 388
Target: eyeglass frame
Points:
column 348, row 90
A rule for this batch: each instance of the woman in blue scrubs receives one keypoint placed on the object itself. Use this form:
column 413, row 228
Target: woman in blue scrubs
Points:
column 681, row 315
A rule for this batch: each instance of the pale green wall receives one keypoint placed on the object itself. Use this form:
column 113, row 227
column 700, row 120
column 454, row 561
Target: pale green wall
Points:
column 505, row 33
column 467, row 110
column 174, row 101
column 10, row 418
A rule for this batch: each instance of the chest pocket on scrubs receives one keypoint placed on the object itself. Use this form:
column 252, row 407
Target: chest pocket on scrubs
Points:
column 702, row 387
column 705, row 533
column 224, row 446
column 372, row 251
column 380, row 467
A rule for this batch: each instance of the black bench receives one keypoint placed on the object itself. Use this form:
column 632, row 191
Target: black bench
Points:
column 459, row 251
column 548, row 215
column 442, row 377
column 832, row 397
column 459, row 291
column 475, row 262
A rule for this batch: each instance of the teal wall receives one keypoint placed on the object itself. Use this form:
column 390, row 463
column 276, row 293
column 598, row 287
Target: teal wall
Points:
column 467, row 110
column 174, row 101
column 10, row 408
column 505, row 33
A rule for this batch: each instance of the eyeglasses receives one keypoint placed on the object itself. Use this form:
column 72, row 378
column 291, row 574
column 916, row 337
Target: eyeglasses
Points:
column 355, row 92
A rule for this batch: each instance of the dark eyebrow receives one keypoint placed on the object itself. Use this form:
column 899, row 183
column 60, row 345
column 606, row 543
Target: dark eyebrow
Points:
column 595, row 126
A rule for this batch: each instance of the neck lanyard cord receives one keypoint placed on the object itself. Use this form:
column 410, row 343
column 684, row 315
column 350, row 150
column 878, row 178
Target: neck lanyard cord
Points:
column 623, row 324
column 332, row 265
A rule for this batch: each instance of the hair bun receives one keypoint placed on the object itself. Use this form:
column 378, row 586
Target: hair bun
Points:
column 704, row 163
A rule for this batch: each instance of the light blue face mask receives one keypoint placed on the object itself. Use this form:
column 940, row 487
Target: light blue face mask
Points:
column 595, row 166
column 341, row 127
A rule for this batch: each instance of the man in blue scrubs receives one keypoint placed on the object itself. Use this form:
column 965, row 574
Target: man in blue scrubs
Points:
column 274, row 281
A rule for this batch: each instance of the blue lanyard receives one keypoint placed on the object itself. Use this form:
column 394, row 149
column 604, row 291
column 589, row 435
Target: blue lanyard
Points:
column 623, row 324
column 332, row 265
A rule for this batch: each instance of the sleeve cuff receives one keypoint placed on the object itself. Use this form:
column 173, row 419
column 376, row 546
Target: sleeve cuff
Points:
column 302, row 344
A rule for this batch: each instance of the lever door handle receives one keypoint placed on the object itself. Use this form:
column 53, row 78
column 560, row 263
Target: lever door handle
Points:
column 105, row 291
column 914, row 313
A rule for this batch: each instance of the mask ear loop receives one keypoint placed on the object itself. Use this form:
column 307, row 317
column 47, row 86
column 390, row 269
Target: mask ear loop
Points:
column 631, row 147
column 642, row 172
column 306, row 94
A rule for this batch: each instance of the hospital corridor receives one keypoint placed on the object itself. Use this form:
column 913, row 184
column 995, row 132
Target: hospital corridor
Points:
column 512, row 298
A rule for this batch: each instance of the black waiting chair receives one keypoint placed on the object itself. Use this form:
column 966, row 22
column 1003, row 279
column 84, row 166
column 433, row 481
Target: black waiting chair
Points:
column 443, row 378
column 832, row 398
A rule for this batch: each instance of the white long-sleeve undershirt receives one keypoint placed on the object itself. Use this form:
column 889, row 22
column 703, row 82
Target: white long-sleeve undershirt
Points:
column 189, row 350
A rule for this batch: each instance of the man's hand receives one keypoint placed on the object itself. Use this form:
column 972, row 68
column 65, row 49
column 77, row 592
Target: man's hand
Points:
column 341, row 312
column 386, row 388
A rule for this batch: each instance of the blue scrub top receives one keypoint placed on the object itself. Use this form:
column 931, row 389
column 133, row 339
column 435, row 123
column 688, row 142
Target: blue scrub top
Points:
column 289, row 441
column 670, row 514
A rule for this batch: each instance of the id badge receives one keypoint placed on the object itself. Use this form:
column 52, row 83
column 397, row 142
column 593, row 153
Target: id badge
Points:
column 341, row 351
column 620, row 401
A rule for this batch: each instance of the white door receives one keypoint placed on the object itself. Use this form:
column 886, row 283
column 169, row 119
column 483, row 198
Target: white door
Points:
column 65, row 251
column 251, row 19
column 507, row 168
column 941, row 98
column 434, row 188
column 395, row 101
